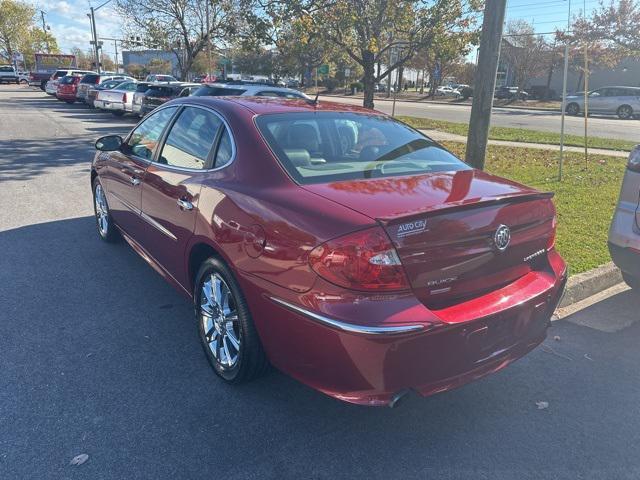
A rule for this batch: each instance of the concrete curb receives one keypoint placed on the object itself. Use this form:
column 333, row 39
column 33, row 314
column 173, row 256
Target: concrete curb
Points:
column 584, row 285
column 460, row 104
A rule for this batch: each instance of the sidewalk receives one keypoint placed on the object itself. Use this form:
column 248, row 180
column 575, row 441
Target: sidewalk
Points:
column 439, row 136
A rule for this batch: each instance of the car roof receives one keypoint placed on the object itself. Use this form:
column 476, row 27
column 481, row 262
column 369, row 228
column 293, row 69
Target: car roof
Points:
column 264, row 105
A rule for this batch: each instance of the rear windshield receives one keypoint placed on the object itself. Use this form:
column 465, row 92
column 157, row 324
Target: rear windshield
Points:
column 67, row 80
column 160, row 92
column 326, row 147
column 90, row 78
column 59, row 73
column 209, row 91
column 142, row 87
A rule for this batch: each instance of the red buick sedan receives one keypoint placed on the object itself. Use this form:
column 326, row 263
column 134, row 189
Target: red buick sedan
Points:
column 336, row 243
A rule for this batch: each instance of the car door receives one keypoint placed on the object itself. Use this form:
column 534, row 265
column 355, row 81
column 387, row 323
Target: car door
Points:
column 172, row 186
column 125, row 172
column 598, row 100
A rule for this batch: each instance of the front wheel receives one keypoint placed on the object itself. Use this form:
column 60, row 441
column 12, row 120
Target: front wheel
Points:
column 70, row 101
column 226, row 329
column 106, row 228
column 625, row 112
column 573, row 109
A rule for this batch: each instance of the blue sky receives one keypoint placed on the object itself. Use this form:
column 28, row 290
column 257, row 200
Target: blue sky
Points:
column 70, row 24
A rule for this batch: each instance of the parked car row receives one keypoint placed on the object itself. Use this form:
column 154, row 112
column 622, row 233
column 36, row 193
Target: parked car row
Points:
column 121, row 94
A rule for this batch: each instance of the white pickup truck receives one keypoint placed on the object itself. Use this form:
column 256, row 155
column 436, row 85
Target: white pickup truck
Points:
column 118, row 100
column 8, row 74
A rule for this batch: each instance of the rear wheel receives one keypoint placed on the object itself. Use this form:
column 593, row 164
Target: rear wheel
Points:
column 70, row 101
column 625, row 112
column 573, row 109
column 633, row 282
column 118, row 113
column 228, row 335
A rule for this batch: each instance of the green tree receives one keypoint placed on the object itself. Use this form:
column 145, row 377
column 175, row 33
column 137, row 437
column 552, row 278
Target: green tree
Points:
column 19, row 32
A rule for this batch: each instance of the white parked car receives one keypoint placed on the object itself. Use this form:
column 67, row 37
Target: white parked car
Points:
column 118, row 100
column 52, row 85
column 445, row 91
column 624, row 233
column 8, row 74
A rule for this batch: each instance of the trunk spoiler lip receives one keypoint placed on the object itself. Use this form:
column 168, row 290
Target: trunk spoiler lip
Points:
column 467, row 204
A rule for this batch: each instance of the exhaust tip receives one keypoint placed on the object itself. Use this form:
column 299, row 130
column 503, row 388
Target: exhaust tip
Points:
column 397, row 397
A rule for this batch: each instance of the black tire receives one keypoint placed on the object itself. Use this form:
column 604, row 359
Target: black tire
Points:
column 118, row 113
column 71, row 102
column 633, row 282
column 43, row 85
column 111, row 235
column 251, row 359
column 573, row 109
column 625, row 112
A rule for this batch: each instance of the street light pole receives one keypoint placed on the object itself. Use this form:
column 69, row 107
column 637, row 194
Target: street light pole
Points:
column 44, row 29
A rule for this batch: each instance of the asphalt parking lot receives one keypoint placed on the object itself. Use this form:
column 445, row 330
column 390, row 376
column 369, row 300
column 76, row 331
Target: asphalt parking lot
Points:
column 98, row 355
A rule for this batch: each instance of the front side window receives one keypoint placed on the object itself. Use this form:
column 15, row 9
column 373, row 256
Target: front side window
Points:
column 145, row 137
column 325, row 147
column 190, row 139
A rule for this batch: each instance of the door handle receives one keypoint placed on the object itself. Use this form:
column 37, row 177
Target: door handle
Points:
column 185, row 204
column 134, row 181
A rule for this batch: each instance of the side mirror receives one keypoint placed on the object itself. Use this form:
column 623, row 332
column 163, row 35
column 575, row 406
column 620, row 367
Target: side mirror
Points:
column 109, row 143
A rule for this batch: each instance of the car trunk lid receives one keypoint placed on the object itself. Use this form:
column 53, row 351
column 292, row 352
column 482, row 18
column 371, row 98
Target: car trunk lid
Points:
column 447, row 228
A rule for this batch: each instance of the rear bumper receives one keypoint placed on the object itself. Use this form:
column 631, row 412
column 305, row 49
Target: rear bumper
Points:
column 626, row 259
column 114, row 106
column 366, row 367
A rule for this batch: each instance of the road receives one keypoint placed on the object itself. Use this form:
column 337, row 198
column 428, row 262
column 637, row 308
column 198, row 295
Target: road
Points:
column 98, row 355
column 599, row 126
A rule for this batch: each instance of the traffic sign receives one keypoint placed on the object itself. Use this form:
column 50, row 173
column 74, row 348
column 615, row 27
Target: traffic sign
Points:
column 323, row 69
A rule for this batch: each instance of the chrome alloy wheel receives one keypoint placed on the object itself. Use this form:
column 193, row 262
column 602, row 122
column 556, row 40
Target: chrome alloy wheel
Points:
column 102, row 210
column 220, row 323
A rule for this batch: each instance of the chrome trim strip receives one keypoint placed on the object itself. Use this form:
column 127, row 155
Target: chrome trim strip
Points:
column 349, row 327
column 134, row 209
column 158, row 226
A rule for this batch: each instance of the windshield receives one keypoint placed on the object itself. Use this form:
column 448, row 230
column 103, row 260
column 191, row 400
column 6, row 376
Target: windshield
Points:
column 209, row 91
column 325, row 147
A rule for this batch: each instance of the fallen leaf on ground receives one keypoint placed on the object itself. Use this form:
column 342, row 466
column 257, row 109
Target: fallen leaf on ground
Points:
column 586, row 355
column 542, row 405
column 557, row 338
column 79, row 459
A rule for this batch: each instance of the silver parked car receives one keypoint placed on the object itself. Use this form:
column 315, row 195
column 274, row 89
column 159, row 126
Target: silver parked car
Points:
column 117, row 100
column 621, row 101
column 624, row 234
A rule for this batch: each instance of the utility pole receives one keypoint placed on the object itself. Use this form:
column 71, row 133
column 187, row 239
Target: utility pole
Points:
column 95, row 39
column 564, row 94
column 115, row 47
column 485, row 82
column 44, row 29
column 208, row 43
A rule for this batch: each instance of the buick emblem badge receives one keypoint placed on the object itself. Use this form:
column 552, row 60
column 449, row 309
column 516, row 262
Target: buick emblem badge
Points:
column 502, row 238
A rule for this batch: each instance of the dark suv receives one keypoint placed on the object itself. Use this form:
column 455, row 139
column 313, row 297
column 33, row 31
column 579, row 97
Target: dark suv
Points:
column 158, row 94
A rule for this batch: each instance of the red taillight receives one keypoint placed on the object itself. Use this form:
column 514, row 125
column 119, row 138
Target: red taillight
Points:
column 365, row 260
column 552, row 239
column 634, row 159
column 124, row 98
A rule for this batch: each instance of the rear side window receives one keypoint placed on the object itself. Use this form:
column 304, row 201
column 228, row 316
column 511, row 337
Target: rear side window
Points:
column 225, row 150
column 145, row 137
column 89, row 78
column 59, row 73
column 326, row 147
column 190, row 139
column 6, row 69
column 66, row 80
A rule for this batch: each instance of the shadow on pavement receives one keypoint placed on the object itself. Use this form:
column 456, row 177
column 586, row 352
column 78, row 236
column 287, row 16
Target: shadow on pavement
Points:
column 100, row 356
column 25, row 159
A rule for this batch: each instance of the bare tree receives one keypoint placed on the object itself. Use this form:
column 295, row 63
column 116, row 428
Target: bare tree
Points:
column 184, row 27
column 524, row 51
